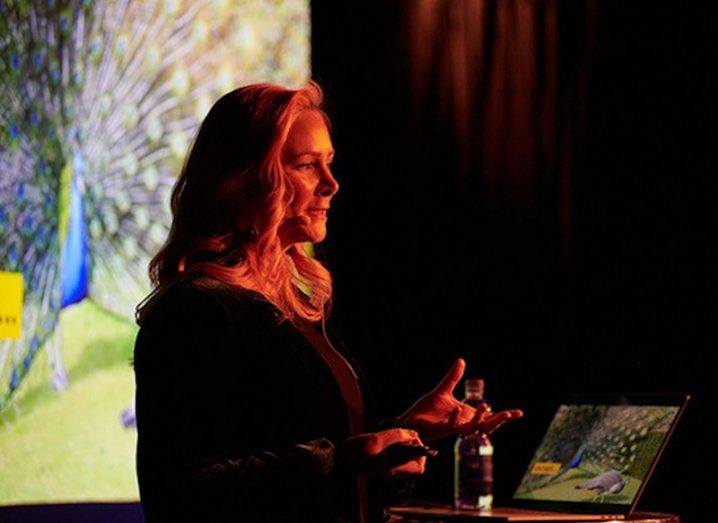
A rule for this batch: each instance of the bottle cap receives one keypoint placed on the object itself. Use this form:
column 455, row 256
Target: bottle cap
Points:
column 474, row 386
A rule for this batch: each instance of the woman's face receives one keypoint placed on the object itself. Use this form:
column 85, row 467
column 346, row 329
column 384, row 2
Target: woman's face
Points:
column 306, row 158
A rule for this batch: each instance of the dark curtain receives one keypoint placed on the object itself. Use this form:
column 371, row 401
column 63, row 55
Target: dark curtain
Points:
column 498, row 94
column 501, row 86
column 517, row 187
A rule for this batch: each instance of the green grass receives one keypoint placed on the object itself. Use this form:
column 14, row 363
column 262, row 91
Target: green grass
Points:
column 70, row 446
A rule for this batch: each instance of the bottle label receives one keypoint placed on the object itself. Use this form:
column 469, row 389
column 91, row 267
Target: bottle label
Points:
column 474, row 481
column 486, row 450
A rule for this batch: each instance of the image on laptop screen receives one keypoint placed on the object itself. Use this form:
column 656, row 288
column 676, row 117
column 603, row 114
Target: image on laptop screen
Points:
column 596, row 453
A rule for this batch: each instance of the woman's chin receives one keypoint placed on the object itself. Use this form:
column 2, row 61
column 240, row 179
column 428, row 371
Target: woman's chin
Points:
column 317, row 233
column 311, row 237
column 317, row 238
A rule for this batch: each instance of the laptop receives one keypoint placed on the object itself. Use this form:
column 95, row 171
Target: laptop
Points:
column 593, row 462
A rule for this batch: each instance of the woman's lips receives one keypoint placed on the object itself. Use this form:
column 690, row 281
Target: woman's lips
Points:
column 317, row 213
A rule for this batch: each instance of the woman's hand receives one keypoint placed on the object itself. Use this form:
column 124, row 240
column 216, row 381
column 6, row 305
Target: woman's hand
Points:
column 387, row 453
column 439, row 414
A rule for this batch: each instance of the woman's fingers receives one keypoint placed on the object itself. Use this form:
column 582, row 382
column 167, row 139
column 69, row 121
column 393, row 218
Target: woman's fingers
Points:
column 391, row 436
column 468, row 415
column 400, row 453
column 385, row 438
column 454, row 417
column 417, row 466
column 494, row 421
column 449, row 382
column 480, row 421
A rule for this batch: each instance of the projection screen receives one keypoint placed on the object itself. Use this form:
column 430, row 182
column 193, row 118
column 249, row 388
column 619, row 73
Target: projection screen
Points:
column 101, row 100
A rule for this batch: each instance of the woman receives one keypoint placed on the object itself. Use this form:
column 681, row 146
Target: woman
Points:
column 248, row 407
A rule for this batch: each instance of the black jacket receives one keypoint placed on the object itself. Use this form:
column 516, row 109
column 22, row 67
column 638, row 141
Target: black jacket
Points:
column 237, row 414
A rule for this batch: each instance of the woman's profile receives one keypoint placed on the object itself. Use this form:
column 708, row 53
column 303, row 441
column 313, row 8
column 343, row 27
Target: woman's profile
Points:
column 248, row 406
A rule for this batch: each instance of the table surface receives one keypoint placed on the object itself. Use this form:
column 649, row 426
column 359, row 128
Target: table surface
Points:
column 439, row 513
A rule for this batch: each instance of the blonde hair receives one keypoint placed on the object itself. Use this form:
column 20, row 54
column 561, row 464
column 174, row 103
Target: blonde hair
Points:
column 233, row 195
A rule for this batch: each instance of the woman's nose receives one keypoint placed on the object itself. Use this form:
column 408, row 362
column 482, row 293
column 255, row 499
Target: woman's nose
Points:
column 328, row 185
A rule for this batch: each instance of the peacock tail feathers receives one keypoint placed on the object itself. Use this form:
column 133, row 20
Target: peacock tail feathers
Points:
column 101, row 102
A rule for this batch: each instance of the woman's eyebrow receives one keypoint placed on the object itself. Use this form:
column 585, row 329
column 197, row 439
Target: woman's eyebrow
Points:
column 314, row 153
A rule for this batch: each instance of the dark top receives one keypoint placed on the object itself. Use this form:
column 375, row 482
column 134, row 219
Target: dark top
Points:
column 238, row 414
column 343, row 373
column 348, row 383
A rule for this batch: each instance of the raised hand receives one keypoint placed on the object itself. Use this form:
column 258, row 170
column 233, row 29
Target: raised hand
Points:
column 438, row 413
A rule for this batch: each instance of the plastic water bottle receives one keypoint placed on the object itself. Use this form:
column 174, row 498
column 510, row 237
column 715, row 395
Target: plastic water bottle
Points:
column 473, row 460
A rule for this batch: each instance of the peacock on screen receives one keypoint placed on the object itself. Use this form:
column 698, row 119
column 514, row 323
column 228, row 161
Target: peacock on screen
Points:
column 596, row 453
column 101, row 99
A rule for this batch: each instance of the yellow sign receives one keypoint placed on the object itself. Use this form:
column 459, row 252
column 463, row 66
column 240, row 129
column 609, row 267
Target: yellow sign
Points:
column 10, row 305
column 545, row 468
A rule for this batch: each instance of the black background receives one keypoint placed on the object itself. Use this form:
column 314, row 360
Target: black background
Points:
column 425, row 273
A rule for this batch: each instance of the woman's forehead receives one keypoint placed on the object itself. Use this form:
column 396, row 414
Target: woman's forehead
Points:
column 308, row 134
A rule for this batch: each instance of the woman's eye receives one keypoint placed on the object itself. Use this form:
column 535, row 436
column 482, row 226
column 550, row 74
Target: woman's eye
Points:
column 307, row 165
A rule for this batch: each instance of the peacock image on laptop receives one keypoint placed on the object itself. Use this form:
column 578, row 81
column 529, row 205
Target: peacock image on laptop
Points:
column 596, row 453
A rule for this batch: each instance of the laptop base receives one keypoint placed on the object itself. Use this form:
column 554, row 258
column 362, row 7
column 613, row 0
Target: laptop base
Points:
column 518, row 514
column 445, row 513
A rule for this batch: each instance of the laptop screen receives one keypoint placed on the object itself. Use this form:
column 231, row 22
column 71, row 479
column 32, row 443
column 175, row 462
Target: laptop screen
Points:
column 597, row 453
